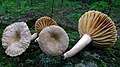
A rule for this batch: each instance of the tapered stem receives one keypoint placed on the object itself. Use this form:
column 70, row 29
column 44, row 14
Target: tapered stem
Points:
column 52, row 5
column 85, row 40
column 34, row 36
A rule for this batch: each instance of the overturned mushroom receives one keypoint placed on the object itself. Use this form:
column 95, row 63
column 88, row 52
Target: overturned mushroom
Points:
column 53, row 40
column 16, row 38
column 96, row 27
column 41, row 24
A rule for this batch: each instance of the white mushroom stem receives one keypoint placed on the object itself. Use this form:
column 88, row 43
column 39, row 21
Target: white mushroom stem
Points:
column 36, row 40
column 85, row 40
column 34, row 36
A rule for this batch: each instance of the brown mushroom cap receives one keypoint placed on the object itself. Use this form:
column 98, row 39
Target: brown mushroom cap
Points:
column 44, row 22
column 16, row 38
column 99, row 26
column 53, row 40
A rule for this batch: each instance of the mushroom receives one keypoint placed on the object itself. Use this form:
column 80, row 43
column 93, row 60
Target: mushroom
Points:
column 41, row 24
column 96, row 27
column 53, row 40
column 16, row 38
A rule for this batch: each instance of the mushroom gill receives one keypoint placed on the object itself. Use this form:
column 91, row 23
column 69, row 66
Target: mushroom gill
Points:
column 96, row 27
column 41, row 23
column 44, row 22
column 99, row 27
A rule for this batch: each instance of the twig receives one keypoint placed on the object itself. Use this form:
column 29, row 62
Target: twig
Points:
column 81, row 3
column 62, row 3
column 52, row 5
column 111, row 5
column 31, row 2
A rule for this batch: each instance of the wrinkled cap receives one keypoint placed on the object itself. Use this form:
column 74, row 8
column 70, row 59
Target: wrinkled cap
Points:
column 99, row 26
column 43, row 22
column 53, row 40
column 16, row 38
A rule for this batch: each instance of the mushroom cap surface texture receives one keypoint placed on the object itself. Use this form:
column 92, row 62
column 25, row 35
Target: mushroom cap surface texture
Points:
column 53, row 40
column 99, row 26
column 43, row 22
column 16, row 38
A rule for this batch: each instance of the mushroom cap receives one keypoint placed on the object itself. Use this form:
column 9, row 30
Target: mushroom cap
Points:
column 99, row 26
column 16, row 38
column 53, row 40
column 43, row 22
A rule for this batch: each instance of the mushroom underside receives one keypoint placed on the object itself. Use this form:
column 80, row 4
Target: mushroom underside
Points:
column 96, row 27
column 43, row 22
column 99, row 26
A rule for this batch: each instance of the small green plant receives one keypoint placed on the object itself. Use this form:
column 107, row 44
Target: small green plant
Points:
column 117, row 3
column 100, row 5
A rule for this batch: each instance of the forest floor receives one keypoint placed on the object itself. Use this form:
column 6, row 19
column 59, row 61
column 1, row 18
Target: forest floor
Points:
column 67, row 17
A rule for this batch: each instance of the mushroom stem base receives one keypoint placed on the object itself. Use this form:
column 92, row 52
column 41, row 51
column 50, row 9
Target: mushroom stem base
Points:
column 34, row 36
column 86, row 39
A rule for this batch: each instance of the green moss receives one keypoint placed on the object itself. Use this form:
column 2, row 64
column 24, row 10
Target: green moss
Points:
column 67, row 17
